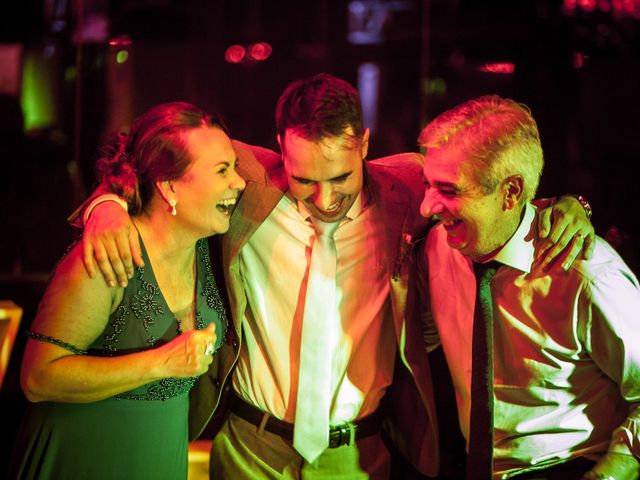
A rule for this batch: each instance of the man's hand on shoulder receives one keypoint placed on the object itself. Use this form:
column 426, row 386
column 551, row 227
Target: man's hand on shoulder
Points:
column 564, row 231
column 111, row 240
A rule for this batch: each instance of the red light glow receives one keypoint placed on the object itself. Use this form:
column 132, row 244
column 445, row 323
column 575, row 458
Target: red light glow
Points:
column 502, row 67
column 121, row 41
column 259, row 51
column 604, row 6
column 588, row 5
column 619, row 8
column 235, row 54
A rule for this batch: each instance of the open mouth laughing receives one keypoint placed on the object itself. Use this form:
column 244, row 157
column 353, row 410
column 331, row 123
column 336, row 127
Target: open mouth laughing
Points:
column 226, row 206
column 333, row 209
column 450, row 224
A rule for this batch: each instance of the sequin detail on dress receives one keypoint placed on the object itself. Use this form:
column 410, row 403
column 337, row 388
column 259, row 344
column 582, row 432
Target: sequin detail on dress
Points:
column 155, row 324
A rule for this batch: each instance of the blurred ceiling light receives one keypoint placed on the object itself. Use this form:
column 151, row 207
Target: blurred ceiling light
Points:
column 259, row 51
column 499, row 67
column 587, row 5
column 235, row 54
column 122, row 56
column 619, row 8
column 120, row 41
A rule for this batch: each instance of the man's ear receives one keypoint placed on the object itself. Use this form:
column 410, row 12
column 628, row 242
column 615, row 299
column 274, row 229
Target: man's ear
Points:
column 513, row 189
column 280, row 143
column 364, row 147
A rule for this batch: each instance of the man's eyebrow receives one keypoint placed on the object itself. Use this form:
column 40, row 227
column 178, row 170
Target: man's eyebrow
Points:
column 446, row 185
column 301, row 179
column 340, row 177
column 344, row 176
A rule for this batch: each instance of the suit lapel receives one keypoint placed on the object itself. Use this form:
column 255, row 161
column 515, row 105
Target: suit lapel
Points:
column 393, row 207
column 259, row 198
column 255, row 205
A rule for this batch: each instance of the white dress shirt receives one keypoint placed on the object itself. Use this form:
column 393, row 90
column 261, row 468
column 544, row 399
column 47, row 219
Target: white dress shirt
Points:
column 566, row 350
column 274, row 266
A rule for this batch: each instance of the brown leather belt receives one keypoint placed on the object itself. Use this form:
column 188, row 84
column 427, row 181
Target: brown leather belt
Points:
column 338, row 436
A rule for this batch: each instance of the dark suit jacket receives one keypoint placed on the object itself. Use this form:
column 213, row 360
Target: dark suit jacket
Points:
column 395, row 187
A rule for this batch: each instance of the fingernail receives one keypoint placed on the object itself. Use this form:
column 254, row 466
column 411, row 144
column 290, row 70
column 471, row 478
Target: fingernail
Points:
column 565, row 266
column 123, row 284
column 111, row 283
column 130, row 275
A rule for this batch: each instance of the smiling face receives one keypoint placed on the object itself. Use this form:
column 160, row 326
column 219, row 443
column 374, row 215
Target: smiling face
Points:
column 477, row 223
column 326, row 175
column 209, row 188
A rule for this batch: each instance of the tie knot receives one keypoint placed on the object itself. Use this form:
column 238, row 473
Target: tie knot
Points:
column 324, row 229
column 485, row 271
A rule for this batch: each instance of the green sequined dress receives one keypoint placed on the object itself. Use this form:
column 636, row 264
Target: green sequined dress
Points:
column 139, row 434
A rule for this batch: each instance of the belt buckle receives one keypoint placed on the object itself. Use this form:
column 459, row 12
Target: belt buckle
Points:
column 344, row 433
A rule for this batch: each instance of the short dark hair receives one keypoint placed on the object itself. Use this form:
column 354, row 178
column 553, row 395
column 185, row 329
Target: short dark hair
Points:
column 155, row 149
column 319, row 106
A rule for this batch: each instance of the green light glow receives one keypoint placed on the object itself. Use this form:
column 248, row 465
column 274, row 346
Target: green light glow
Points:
column 122, row 56
column 70, row 74
column 437, row 86
column 36, row 95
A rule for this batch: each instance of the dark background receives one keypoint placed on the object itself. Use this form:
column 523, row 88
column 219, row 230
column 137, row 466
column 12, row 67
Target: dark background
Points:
column 575, row 63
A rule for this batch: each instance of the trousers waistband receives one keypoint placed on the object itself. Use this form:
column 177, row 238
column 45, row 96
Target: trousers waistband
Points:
column 338, row 436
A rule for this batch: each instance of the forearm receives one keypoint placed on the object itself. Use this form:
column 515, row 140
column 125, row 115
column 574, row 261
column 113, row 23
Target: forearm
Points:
column 613, row 302
column 76, row 217
column 84, row 378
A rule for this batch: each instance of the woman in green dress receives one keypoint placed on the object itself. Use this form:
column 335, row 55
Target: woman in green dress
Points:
column 108, row 370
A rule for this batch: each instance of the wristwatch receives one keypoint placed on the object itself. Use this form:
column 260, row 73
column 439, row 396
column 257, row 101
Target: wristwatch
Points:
column 585, row 204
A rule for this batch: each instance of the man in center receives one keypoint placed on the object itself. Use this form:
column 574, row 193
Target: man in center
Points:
column 372, row 206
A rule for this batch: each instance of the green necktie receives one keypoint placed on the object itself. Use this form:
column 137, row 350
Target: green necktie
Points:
column 480, row 456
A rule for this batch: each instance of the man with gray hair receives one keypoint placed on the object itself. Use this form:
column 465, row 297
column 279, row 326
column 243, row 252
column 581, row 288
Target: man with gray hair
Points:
column 545, row 363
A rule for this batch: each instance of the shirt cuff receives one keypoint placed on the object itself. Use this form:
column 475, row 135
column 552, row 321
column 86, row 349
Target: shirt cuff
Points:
column 107, row 197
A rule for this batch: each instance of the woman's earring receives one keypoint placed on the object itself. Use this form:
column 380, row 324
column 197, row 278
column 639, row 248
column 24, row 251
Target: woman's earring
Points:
column 173, row 203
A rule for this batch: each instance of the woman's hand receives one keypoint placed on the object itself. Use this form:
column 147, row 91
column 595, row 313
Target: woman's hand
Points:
column 189, row 354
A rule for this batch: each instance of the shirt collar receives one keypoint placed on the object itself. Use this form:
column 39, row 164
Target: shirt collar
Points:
column 518, row 251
